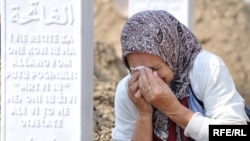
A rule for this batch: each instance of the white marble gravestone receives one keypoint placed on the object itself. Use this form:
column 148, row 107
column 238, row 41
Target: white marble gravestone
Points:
column 47, row 69
column 181, row 9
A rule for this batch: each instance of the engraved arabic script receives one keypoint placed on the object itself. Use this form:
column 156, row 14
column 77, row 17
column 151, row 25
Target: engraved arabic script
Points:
column 37, row 12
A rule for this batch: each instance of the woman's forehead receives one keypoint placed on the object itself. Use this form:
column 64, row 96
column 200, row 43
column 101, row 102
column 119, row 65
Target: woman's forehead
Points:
column 143, row 59
column 140, row 55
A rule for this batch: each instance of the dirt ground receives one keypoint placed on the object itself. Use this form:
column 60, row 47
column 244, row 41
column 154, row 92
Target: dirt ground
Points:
column 223, row 27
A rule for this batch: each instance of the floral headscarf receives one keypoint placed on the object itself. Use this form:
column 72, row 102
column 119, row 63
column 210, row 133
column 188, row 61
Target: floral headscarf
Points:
column 159, row 33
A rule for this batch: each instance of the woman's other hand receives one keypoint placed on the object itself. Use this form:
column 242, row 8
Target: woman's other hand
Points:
column 144, row 108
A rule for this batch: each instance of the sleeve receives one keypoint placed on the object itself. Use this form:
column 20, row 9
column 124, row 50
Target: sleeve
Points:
column 213, row 84
column 125, row 113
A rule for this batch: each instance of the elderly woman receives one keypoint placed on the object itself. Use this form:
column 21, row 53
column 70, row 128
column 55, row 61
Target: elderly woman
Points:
column 175, row 89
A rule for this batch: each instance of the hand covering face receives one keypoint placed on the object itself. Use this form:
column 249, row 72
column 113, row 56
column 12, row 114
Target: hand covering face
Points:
column 159, row 33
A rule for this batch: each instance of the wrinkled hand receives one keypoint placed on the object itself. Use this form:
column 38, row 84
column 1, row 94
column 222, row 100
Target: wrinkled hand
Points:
column 156, row 91
column 144, row 108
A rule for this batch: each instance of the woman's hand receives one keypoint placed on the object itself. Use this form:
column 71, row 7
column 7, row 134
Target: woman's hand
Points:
column 157, row 92
column 144, row 108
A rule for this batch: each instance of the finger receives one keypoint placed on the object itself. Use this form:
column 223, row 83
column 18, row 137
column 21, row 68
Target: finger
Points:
column 151, row 78
column 133, row 87
column 136, row 97
column 138, row 94
column 134, row 78
column 158, row 80
column 130, row 95
column 143, row 76
column 144, row 85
